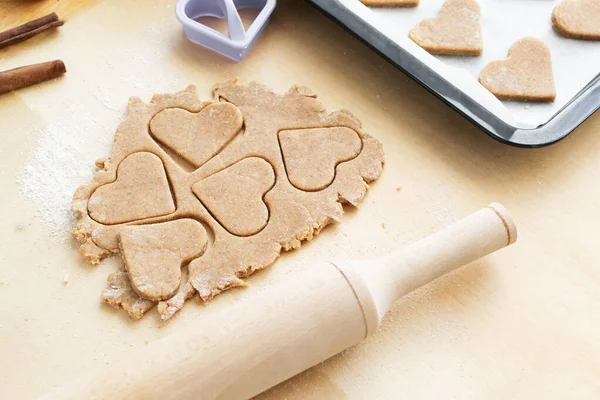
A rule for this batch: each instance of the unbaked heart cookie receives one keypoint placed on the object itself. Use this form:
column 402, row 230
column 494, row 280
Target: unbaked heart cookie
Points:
column 455, row 30
column 181, row 130
column 390, row 3
column 579, row 19
column 311, row 155
column 154, row 254
column 526, row 75
column 140, row 191
column 234, row 195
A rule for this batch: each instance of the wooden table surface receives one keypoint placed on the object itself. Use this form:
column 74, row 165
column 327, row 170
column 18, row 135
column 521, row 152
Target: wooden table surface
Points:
column 521, row 324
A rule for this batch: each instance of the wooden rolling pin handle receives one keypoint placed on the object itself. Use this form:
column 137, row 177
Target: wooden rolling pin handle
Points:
column 290, row 326
column 379, row 283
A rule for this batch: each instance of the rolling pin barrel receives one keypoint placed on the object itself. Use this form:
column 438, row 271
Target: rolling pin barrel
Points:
column 292, row 325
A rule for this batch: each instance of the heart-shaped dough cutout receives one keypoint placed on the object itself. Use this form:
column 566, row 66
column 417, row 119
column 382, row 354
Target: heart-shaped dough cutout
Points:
column 311, row 155
column 455, row 30
column 154, row 254
column 140, row 191
column 526, row 74
column 390, row 3
column 180, row 130
column 579, row 19
column 234, row 195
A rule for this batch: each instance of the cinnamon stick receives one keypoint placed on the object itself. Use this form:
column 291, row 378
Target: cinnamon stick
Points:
column 29, row 29
column 30, row 75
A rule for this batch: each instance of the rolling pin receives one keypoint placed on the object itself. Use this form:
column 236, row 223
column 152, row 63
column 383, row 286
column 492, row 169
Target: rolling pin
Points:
column 292, row 325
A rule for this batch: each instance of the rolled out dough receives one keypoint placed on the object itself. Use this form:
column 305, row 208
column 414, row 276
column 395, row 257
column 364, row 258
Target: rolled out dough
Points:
column 270, row 171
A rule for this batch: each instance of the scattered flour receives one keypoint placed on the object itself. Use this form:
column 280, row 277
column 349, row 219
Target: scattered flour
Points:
column 151, row 77
column 102, row 96
column 62, row 160
column 152, row 60
column 51, row 177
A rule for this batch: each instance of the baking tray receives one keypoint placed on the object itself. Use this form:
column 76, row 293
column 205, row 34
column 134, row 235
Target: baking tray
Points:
column 453, row 79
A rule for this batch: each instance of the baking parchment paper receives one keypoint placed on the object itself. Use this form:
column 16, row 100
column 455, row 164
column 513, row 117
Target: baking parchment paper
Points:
column 575, row 62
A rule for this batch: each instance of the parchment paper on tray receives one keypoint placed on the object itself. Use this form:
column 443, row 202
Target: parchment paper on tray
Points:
column 575, row 62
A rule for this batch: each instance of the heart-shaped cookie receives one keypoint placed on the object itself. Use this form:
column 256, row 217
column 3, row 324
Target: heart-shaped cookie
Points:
column 181, row 131
column 154, row 254
column 526, row 74
column 390, row 3
column 140, row 191
column 234, row 195
column 579, row 19
column 455, row 30
column 311, row 155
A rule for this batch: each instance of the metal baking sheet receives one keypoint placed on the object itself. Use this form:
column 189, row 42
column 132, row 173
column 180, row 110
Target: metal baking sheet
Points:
column 576, row 65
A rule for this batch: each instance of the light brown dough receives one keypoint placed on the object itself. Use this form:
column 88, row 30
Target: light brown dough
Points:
column 214, row 126
column 455, row 30
column 119, row 293
column 234, row 195
column 302, row 149
column 390, row 3
column 526, row 74
column 154, row 254
column 241, row 194
column 578, row 19
column 140, row 191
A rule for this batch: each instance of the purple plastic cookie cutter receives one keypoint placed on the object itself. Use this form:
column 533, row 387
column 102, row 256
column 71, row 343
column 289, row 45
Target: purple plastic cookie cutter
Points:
column 238, row 41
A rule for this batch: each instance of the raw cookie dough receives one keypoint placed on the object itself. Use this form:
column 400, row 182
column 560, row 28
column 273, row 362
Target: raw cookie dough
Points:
column 234, row 196
column 154, row 254
column 526, row 74
column 215, row 126
column 579, row 19
column 390, row 3
column 301, row 150
column 119, row 293
column 455, row 30
column 239, row 190
column 140, row 191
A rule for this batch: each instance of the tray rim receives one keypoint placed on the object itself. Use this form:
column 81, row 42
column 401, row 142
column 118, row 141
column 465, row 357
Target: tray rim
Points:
column 559, row 126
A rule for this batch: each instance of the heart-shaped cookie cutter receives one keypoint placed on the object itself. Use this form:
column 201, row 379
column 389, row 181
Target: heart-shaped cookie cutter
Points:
column 238, row 41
